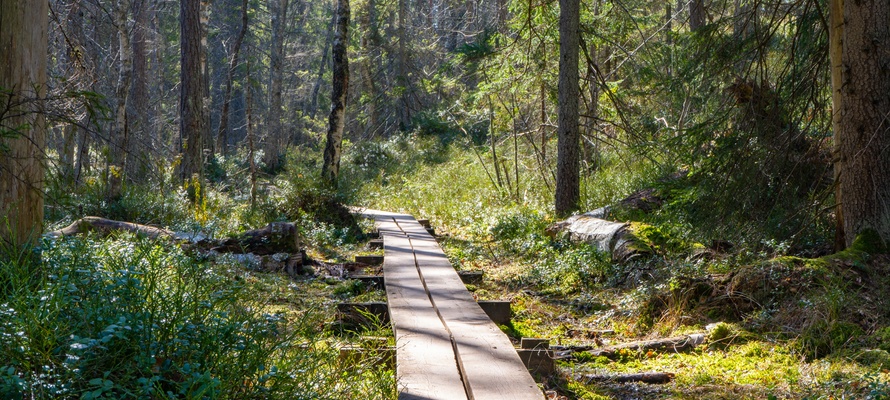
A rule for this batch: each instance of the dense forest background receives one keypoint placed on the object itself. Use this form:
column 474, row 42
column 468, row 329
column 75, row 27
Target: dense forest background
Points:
column 732, row 96
column 713, row 128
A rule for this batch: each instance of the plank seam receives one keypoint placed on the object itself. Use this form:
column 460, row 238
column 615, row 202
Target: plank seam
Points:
column 460, row 366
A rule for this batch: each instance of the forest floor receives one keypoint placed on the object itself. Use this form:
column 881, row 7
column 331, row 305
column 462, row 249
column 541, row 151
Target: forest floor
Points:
column 791, row 351
column 124, row 316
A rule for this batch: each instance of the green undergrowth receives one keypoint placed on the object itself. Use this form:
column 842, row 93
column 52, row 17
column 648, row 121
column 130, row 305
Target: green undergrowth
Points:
column 130, row 318
column 789, row 321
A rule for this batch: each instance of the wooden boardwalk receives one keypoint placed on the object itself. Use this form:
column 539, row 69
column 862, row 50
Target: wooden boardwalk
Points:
column 446, row 346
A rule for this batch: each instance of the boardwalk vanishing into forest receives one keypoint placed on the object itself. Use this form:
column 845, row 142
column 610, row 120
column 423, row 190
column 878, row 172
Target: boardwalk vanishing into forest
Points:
column 446, row 345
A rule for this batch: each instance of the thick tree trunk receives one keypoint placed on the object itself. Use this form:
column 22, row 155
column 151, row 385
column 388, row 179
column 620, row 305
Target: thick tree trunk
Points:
column 191, row 100
column 222, row 137
column 274, row 135
column 865, row 119
column 331, row 168
column 23, row 61
column 568, row 192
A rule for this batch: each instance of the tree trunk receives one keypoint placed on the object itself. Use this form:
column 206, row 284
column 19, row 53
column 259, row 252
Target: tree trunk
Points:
column 251, row 149
column 118, row 146
column 274, row 135
column 312, row 107
column 206, row 138
column 331, row 168
column 191, row 100
column 864, row 135
column 23, row 61
column 368, row 66
column 222, row 137
column 402, row 68
column 568, row 192
column 835, row 58
column 696, row 15
column 138, row 104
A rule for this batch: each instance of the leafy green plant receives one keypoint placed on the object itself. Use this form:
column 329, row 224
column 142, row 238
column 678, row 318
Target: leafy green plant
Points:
column 134, row 318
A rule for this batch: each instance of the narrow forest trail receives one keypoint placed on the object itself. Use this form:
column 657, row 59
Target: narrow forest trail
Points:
column 446, row 345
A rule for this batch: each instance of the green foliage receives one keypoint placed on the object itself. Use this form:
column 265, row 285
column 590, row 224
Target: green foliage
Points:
column 125, row 318
column 825, row 337
column 318, row 210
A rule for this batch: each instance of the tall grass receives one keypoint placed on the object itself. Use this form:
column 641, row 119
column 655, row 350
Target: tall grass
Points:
column 458, row 188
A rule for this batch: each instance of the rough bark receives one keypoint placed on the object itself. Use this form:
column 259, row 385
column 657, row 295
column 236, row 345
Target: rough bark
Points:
column 191, row 100
column 336, row 121
column 222, row 137
column 274, row 135
column 865, row 119
column 23, row 62
column 568, row 192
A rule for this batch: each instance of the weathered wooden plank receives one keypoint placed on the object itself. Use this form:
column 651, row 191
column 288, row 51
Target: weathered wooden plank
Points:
column 490, row 364
column 431, row 310
column 426, row 367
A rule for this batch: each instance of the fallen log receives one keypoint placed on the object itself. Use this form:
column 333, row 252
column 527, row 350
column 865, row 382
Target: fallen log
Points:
column 104, row 227
column 645, row 377
column 674, row 344
column 277, row 237
column 275, row 247
column 615, row 238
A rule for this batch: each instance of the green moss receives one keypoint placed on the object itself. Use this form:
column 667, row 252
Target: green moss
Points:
column 868, row 242
column 874, row 357
column 652, row 239
column 579, row 391
column 819, row 264
column 882, row 336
